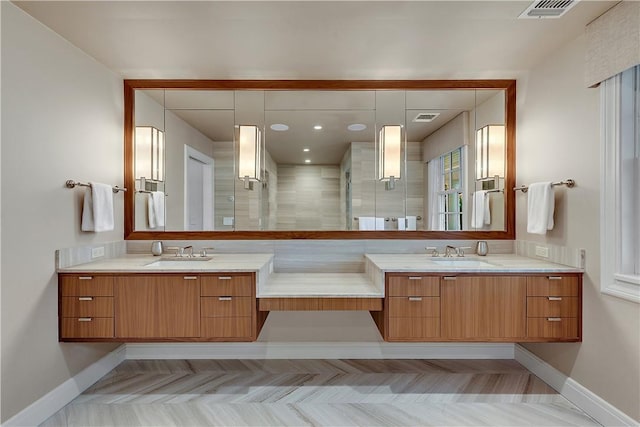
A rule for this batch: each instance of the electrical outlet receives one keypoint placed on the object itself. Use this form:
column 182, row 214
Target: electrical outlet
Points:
column 97, row 252
column 542, row 251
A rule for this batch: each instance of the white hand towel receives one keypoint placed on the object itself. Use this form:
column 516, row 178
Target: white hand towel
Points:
column 366, row 223
column 480, row 209
column 412, row 223
column 97, row 209
column 540, row 206
column 155, row 207
column 401, row 224
column 379, row 223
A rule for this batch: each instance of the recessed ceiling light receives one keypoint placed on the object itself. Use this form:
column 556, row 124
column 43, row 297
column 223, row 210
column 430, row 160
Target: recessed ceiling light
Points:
column 305, row 149
column 280, row 127
column 356, row 127
column 307, row 161
column 318, row 127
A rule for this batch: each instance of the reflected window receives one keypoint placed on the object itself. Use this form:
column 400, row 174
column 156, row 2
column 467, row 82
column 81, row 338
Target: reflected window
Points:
column 445, row 191
column 450, row 200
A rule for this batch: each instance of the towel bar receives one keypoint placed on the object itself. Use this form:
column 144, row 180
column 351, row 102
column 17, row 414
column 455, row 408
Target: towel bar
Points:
column 72, row 184
column 418, row 218
column 569, row 183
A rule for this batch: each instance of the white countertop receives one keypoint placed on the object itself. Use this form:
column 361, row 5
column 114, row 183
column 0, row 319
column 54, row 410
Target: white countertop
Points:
column 505, row 263
column 369, row 284
column 323, row 285
column 144, row 264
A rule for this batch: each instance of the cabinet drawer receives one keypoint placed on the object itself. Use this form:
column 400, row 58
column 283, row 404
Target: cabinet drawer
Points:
column 86, row 285
column 404, row 286
column 552, row 327
column 414, row 306
column 414, row 327
column 86, row 327
column 228, row 285
column 542, row 286
column 86, row 307
column 226, row 327
column 552, row 307
column 225, row 306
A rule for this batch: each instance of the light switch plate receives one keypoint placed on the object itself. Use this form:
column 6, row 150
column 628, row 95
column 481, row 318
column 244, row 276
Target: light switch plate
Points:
column 542, row 251
column 97, row 252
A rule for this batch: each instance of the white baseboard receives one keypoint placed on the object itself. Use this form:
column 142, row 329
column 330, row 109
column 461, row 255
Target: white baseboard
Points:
column 56, row 399
column 598, row 408
column 321, row 350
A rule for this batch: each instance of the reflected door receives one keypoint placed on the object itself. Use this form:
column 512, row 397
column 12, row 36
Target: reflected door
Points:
column 198, row 191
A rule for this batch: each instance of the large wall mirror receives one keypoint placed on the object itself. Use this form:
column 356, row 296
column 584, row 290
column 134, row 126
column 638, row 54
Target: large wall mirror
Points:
column 319, row 159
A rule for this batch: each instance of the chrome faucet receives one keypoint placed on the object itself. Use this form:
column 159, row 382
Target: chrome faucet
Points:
column 190, row 248
column 448, row 249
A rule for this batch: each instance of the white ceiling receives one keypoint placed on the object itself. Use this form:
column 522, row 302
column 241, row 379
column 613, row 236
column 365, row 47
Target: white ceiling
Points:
column 312, row 39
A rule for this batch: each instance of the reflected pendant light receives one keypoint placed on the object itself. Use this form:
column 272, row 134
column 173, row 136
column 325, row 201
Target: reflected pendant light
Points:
column 249, row 155
column 149, row 155
column 490, row 152
column 389, row 155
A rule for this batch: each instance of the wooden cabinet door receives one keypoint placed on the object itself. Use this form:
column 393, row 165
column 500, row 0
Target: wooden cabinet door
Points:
column 164, row 306
column 483, row 307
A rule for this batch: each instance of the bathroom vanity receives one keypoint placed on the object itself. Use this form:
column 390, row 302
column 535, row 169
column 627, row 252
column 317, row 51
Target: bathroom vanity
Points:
column 411, row 297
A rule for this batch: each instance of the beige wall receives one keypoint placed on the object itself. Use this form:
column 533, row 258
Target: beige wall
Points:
column 558, row 138
column 62, row 116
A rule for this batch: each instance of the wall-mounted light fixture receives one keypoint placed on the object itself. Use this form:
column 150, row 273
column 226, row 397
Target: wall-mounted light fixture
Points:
column 149, row 155
column 389, row 155
column 249, row 155
column 490, row 152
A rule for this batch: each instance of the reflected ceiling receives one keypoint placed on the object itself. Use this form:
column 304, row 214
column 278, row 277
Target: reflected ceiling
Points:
column 211, row 112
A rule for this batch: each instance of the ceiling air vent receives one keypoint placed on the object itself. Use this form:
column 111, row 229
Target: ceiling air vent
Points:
column 547, row 9
column 426, row 117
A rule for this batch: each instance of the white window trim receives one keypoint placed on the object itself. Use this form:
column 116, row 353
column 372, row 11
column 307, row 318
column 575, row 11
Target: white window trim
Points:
column 612, row 282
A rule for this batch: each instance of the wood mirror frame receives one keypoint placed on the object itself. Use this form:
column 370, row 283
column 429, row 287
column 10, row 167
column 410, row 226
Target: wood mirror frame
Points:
column 130, row 86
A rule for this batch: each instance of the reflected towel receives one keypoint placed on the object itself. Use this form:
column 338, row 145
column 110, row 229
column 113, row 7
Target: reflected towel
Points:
column 480, row 209
column 366, row 223
column 540, row 206
column 155, row 209
column 97, row 208
column 401, row 224
column 379, row 223
column 412, row 223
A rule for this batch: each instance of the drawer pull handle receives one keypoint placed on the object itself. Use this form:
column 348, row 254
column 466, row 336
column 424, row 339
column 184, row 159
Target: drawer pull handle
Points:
column 554, row 277
column 84, row 319
column 224, row 277
column 415, row 277
column 225, row 299
column 449, row 277
column 85, row 299
column 415, row 298
column 190, row 277
column 554, row 319
column 555, row 299
column 85, row 278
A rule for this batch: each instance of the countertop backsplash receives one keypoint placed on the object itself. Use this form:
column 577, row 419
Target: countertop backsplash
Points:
column 338, row 256
column 68, row 257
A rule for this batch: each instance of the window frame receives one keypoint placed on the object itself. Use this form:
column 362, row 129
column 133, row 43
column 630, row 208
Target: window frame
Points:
column 615, row 282
column 443, row 213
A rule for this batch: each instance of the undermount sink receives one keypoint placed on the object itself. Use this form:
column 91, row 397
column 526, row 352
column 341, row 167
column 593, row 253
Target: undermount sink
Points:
column 461, row 262
column 178, row 262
